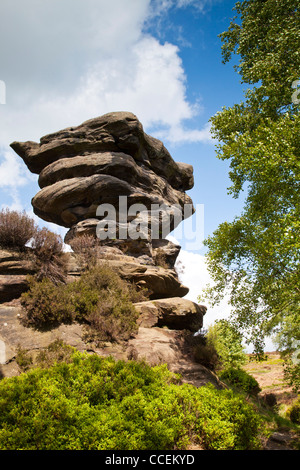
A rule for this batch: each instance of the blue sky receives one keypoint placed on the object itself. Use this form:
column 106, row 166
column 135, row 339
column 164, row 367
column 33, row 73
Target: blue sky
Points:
column 65, row 61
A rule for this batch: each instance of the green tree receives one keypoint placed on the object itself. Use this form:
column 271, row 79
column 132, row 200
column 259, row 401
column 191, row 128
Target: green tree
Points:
column 227, row 342
column 255, row 258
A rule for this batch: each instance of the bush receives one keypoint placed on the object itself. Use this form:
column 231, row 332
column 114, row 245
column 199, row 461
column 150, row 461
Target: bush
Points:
column 46, row 304
column 241, row 380
column 206, row 355
column 56, row 352
column 227, row 342
column 86, row 247
column 16, row 229
column 96, row 403
column 294, row 412
column 99, row 298
column 50, row 260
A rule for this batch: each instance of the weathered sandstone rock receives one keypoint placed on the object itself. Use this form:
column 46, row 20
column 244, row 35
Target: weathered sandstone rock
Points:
column 14, row 268
column 80, row 169
column 164, row 346
column 113, row 132
column 83, row 167
column 175, row 313
column 155, row 345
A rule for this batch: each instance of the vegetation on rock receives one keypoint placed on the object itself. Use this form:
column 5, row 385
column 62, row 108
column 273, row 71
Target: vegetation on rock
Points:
column 99, row 298
column 16, row 229
column 240, row 379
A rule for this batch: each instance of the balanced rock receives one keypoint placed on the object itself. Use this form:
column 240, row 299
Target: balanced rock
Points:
column 108, row 178
column 83, row 167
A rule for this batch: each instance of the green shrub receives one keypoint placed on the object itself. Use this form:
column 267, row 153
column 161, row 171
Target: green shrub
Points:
column 45, row 304
column 96, row 403
column 240, row 379
column 206, row 355
column 16, row 229
column 99, row 298
column 227, row 342
column 294, row 412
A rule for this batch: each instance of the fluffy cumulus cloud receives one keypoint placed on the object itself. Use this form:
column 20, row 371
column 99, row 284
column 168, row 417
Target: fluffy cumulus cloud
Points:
column 64, row 62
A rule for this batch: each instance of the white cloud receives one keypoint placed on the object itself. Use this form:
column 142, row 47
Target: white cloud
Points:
column 161, row 7
column 51, row 42
column 196, row 277
column 148, row 80
column 178, row 135
column 83, row 59
column 12, row 171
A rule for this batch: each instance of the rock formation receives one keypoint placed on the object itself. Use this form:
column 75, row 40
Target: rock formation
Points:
column 83, row 167
column 14, row 270
column 90, row 166
column 111, row 160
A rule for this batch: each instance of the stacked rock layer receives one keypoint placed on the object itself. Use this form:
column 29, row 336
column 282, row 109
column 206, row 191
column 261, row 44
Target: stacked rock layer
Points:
column 92, row 165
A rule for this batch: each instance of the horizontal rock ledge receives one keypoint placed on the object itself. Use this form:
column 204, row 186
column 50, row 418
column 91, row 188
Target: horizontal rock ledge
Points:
column 112, row 132
column 175, row 313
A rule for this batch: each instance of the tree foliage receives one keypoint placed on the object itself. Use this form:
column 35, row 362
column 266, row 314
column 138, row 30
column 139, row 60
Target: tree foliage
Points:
column 256, row 257
column 227, row 342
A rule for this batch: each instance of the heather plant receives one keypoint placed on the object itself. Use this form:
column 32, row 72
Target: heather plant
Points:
column 46, row 304
column 16, row 229
column 49, row 259
column 86, row 248
column 99, row 298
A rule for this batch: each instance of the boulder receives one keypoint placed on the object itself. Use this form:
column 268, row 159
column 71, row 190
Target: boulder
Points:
column 163, row 346
column 12, row 286
column 154, row 345
column 89, row 167
column 160, row 282
column 175, row 313
column 14, row 335
column 165, row 251
column 15, row 263
column 14, row 268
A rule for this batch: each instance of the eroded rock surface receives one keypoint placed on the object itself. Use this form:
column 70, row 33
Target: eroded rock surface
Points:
column 81, row 169
column 94, row 163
